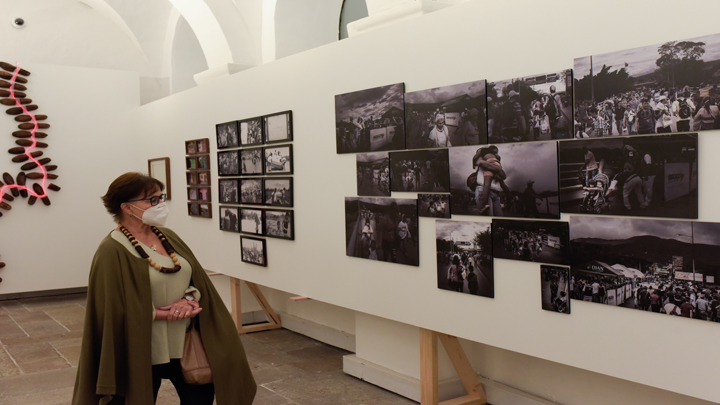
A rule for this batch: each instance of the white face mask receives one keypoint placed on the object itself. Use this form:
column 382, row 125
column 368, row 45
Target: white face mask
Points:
column 154, row 216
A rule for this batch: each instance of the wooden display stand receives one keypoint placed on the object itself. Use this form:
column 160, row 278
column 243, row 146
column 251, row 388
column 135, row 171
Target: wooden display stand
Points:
column 273, row 318
column 429, row 370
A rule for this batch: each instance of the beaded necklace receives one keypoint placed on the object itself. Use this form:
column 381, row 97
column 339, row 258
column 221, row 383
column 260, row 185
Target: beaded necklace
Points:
column 141, row 252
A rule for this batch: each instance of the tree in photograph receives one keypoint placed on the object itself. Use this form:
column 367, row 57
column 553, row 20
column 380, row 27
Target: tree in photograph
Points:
column 679, row 63
column 606, row 84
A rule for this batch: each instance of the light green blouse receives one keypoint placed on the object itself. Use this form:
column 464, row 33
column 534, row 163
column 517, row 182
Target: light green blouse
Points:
column 168, row 337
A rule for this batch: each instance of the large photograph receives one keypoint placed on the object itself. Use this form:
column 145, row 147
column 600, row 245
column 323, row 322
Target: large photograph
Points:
column 653, row 176
column 446, row 116
column 668, row 87
column 533, row 108
column 555, row 288
column 464, row 257
column 384, row 229
column 661, row 266
column 373, row 174
column 370, row 120
column 507, row 180
column 531, row 241
column 420, row 170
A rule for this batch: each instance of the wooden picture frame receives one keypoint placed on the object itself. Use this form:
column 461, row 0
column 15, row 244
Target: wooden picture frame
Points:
column 228, row 191
column 191, row 163
column 203, row 162
column 253, row 251
column 192, row 194
column 251, row 191
column 227, row 135
column 203, row 178
column 229, row 218
column 277, row 128
column 204, row 194
column 205, row 210
column 203, row 145
column 159, row 169
column 193, row 209
column 192, row 178
column 251, row 162
column 191, row 147
column 228, row 163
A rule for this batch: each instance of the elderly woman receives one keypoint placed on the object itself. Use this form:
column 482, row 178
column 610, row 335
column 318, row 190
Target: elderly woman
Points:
column 145, row 286
column 440, row 135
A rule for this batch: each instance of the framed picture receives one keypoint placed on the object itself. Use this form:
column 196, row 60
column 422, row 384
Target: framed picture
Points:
column 278, row 127
column 251, row 161
column 204, row 194
column 464, row 257
column 278, row 191
column 203, row 162
column 203, row 145
column 193, row 209
column 227, row 135
column 373, row 174
column 191, row 147
column 192, row 178
column 191, row 163
column 192, row 194
column 278, row 159
column 250, row 131
column 160, row 169
column 251, row 191
column 205, row 210
column 531, row 241
column 555, row 288
column 434, row 205
column 253, row 251
column 228, row 163
column 280, row 224
column 228, row 191
column 203, row 178
column 229, row 219
column 420, row 170
column 251, row 221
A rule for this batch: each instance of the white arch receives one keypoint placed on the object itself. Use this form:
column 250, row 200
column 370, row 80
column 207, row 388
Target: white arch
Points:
column 214, row 44
column 108, row 12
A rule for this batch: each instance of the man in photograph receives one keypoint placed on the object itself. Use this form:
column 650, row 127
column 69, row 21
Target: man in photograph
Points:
column 531, row 198
column 230, row 220
column 645, row 118
column 682, row 110
column 663, row 115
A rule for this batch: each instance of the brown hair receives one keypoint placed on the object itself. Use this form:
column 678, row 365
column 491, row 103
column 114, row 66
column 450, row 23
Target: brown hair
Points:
column 127, row 187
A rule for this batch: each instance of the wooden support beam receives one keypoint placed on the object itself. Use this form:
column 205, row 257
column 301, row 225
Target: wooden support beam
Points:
column 428, row 368
column 466, row 400
column 273, row 318
column 462, row 366
column 235, row 302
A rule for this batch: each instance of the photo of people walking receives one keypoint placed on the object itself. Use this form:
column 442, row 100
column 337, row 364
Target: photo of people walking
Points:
column 373, row 174
column 464, row 257
column 420, row 170
column 531, row 241
column 555, row 288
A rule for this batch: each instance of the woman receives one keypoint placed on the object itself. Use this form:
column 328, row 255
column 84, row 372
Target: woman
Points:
column 440, row 135
column 704, row 119
column 145, row 285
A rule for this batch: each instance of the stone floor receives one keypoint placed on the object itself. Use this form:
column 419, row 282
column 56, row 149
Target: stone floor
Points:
column 40, row 345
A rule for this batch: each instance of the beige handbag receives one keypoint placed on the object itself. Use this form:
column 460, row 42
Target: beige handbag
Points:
column 194, row 361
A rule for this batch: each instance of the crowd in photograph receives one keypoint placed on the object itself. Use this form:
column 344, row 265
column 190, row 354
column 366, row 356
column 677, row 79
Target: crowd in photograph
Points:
column 381, row 181
column 251, row 192
column 525, row 245
column 278, row 224
column 354, row 134
column 556, row 282
column 228, row 163
column 228, row 191
column 428, row 129
column 420, row 175
column 434, row 205
column 385, row 235
column 254, row 132
column 464, row 268
column 253, row 255
column 277, row 196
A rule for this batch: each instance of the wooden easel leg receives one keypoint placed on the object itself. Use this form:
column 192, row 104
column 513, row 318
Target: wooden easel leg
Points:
column 273, row 318
column 428, row 368
column 235, row 302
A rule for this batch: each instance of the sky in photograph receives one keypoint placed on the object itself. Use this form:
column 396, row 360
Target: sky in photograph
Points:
column 371, row 102
column 460, row 230
column 624, row 228
column 273, row 183
column 521, row 162
column 442, row 94
column 540, row 88
column 641, row 61
column 707, row 233
column 371, row 157
column 388, row 201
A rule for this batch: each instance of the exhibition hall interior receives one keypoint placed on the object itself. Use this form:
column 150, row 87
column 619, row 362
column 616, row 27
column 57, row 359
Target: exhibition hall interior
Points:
column 359, row 202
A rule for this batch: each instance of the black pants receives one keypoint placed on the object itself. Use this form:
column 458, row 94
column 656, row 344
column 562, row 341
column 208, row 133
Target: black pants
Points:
column 189, row 394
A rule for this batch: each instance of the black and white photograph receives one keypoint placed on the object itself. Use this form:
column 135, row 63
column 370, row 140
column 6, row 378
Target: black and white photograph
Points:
column 373, row 174
column 645, row 176
column 652, row 265
column 446, row 116
column 384, row 229
column 229, row 219
column 531, row 241
column 251, row 161
column 507, row 180
column 278, row 127
column 660, row 88
column 228, row 163
column 555, row 288
column 251, row 191
column 251, row 221
column 434, row 205
column 278, row 191
column 420, row 170
column 370, row 120
column 253, row 251
column 279, row 159
column 464, row 257
column 250, row 131
column 228, row 191
column 533, row 108
column 280, row 224
column 227, row 135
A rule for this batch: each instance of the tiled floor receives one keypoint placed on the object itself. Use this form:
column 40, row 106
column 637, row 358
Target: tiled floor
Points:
column 40, row 344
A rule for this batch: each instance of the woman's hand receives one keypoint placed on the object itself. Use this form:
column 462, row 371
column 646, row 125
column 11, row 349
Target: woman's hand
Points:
column 181, row 309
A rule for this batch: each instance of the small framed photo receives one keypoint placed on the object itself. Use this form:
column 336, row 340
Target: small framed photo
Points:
column 280, row 224
column 555, row 288
column 203, row 162
column 191, row 163
column 278, row 191
column 229, row 219
column 434, row 205
column 192, row 194
column 250, row 131
column 279, row 159
column 203, row 178
column 251, row 221
column 191, row 147
column 228, row 191
column 251, row 161
column 192, row 178
column 278, row 127
column 203, row 145
column 253, row 251
column 193, row 209
column 227, row 135
column 205, row 210
column 203, row 194
column 228, row 163
column 251, row 191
